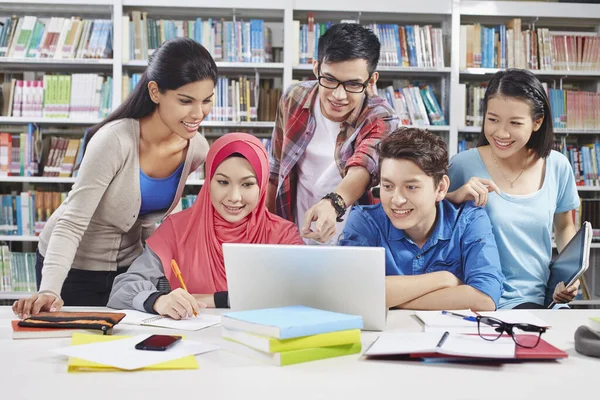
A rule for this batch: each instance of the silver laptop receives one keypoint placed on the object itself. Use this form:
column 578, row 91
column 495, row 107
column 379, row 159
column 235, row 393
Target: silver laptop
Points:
column 349, row 280
column 571, row 263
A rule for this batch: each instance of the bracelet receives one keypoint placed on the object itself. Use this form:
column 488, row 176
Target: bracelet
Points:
column 338, row 204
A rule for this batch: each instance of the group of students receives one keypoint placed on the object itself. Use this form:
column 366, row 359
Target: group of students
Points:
column 474, row 232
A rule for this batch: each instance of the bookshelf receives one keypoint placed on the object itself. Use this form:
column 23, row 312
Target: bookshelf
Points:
column 448, row 15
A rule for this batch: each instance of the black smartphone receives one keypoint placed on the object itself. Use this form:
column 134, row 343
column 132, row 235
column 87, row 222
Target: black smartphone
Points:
column 157, row 342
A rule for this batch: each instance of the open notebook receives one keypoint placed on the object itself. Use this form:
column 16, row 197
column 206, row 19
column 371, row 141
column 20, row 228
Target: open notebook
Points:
column 436, row 321
column 133, row 317
column 398, row 343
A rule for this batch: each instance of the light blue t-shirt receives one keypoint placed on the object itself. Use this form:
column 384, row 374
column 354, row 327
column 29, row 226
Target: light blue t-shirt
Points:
column 522, row 224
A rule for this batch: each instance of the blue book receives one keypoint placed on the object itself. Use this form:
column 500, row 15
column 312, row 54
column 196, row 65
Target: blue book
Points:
column 290, row 322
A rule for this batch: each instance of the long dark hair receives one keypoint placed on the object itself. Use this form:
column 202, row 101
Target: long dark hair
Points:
column 525, row 86
column 174, row 64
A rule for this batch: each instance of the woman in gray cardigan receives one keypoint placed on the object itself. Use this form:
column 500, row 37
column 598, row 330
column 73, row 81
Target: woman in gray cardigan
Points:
column 133, row 173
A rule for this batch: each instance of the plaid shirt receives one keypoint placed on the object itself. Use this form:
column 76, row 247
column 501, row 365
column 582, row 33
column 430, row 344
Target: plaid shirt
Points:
column 294, row 128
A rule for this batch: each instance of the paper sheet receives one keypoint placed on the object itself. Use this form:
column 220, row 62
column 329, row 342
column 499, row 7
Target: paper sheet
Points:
column 202, row 321
column 123, row 354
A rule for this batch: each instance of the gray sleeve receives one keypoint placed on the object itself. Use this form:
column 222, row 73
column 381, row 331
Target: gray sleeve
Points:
column 144, row 277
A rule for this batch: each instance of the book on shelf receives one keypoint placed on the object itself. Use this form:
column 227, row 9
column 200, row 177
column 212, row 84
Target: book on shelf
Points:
column 55, row 37
column 20, row 155
column 229, row 41
column 415, row 104
column 17, row 271
column 75, row 96
column 571, row 109
column 516, row 45
column 401, row 46
column 26, row 213
column 239, row 99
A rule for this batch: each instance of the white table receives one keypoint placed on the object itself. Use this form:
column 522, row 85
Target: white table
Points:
column 29, row 371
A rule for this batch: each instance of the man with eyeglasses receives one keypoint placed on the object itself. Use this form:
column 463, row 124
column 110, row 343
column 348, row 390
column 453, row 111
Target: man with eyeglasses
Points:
column 323, row 156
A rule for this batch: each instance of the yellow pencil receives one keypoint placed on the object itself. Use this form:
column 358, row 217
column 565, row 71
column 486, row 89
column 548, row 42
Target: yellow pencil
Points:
column 177, row 273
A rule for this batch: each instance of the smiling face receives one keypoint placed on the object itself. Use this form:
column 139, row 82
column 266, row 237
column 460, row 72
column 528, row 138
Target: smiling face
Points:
column 409, row 197
column 234, row 190
column 182, row 109
column 337, row 104
column 509, row 125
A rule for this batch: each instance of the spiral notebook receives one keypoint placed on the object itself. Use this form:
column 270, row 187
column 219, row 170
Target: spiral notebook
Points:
column 133, row 317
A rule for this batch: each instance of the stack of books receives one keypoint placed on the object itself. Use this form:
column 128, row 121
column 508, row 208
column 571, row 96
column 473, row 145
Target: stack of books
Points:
column 291, row 335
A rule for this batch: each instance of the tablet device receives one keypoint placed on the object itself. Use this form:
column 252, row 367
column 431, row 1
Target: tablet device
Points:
column 571, row 263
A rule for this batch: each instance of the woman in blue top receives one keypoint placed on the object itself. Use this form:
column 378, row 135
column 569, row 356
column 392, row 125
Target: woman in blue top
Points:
column 525, row 186
column 131, row 176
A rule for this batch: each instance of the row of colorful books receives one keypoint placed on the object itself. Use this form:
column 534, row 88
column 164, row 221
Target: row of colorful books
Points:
column 239, row 99
column 17, row 271
column 510, row 46
column 403, row 46
column 18, row 153
column 26, row 213
column 55, row 37
column 414, row 104
column 76, row 96
column 57, row 156
column 571, row 109
column 584, row 161
column 575, row 109
column 232, row 41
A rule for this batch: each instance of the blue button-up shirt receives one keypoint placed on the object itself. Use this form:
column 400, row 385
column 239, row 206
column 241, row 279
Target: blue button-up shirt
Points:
column 462, row 243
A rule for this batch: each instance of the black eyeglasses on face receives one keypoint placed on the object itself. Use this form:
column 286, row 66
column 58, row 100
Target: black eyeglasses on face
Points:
column 524, row 335
column 329, row 82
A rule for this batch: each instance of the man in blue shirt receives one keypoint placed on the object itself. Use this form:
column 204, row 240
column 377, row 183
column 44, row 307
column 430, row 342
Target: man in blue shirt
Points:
column 438, row 255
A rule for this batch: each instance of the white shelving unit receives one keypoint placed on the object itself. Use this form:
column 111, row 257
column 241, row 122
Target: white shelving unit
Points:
column 14, row 295
column 447, row 14
column 18, row 238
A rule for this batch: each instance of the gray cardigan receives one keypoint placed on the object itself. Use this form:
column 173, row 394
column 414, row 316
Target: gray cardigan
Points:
column 98, row 227
column 144, row 277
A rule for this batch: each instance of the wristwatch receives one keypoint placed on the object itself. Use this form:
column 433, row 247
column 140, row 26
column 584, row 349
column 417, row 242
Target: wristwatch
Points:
column 338, row 204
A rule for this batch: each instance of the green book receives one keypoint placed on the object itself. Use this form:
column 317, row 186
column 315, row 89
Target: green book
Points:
column 293, row 356
column 273, row 345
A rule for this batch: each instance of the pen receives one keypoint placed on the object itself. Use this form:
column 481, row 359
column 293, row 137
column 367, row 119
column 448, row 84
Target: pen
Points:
column 443, row 339
column 177, row 273
column 465, row 317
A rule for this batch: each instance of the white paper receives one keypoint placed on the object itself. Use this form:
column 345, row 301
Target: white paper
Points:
column 133, row 317
column 395, row 343
column 516, row 317
column 404, row 343
column 123, row 354
column 437, row 319
column 475, row 346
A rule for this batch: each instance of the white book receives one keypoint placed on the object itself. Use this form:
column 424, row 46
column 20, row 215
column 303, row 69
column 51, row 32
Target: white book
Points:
column 64, row 32
column 125, row 49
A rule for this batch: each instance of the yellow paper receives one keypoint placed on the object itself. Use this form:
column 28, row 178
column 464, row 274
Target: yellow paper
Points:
column 79, row 365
